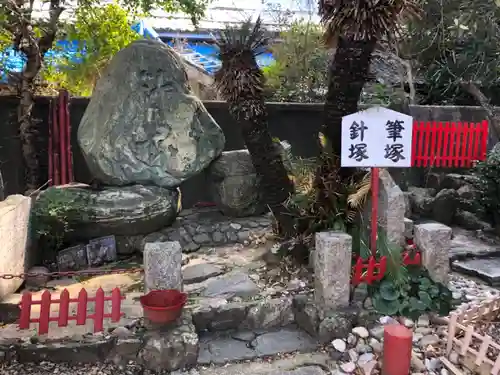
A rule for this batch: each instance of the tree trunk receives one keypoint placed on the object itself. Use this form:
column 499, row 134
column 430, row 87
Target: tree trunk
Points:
column 34, row 48
column 2, row 188
column 348, row 73
column 275, row 185
column 28, row 132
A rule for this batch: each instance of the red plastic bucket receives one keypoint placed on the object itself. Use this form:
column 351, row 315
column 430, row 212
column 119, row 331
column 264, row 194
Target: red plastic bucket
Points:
column 163, row 306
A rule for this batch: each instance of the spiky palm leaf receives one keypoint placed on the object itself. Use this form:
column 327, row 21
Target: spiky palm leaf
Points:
column 357, row 199
column 240, row 79
column 364, row 19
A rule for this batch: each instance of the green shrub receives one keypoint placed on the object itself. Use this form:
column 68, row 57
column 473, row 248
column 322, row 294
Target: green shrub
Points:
column 51, row 220
column 487, row 184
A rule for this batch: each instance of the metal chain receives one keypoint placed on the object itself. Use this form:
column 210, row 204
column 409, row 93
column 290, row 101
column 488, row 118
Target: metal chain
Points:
column 90, row 272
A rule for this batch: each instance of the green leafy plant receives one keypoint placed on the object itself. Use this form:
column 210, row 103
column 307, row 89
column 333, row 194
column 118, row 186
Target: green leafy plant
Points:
column 52, row 219
column 417, row 295
column 487, row 175
column 299, row 73
column 405, row 290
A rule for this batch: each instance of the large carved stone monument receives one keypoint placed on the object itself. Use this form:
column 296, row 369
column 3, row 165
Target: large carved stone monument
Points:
column 143, row 125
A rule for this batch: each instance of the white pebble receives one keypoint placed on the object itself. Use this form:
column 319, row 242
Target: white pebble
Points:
column 339, row 345
column 408, row 323
column 429, row 340
column 353, row 355
column 365, row 358
column 423, row 321
column 385, row 320
column 348, row 367
column 351, row 339
column 361, row 332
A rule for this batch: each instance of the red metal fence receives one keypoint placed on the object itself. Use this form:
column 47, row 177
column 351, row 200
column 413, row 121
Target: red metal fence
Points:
column 448, row 144
column 63, row 316
column 370, row 270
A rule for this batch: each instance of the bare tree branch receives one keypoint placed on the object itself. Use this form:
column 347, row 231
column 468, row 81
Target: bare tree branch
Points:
column 484, row 102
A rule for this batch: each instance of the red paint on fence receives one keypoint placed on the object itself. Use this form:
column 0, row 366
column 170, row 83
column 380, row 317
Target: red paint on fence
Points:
column 64, row 316
column 412, row 259
column 448, row 144
column 370, row 270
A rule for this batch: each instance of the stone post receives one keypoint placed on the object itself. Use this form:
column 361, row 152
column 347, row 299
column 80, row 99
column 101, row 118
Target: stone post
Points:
column 332, row 271
column 15, row 237
column 162, row 266
column 434, row 241
column 391, row 208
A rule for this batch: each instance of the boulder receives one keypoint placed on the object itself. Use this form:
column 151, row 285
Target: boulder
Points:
column 453, row 181
column 421, row 201
column 445, row 206
column 234, row 185
column 143, row 125
column 14, row 233
column 121, row 211
column 470, row 221
column 469, row 199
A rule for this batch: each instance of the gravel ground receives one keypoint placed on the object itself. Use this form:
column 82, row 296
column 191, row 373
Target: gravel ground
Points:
column 48, row 368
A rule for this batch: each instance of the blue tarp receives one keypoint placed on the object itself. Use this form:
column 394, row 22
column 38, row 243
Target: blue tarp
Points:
column 15, row 61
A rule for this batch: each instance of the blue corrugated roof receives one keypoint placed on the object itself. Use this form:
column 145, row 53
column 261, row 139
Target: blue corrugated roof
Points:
column 206, row 54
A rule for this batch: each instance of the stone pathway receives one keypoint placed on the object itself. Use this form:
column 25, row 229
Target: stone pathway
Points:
column 222, row 347
column 467, row 244
column 473, row 253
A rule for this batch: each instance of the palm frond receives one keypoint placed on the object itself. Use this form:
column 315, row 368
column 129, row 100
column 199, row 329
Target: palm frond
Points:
column 364, row 19
column 240, row 79
column 358, row 198
column 395, row 269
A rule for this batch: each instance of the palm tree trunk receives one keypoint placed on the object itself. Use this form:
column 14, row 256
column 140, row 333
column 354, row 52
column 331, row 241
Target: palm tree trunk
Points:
column 275, row 185
column 348, row 73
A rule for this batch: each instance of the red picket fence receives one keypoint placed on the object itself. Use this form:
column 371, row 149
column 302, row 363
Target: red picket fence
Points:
column 63, row 316
column 370, row 270
column 448, row 144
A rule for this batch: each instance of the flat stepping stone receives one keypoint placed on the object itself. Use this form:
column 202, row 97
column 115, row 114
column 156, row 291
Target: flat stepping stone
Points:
column 220, row 348
column 233, row 284
column 200, row 272
column 487, row 269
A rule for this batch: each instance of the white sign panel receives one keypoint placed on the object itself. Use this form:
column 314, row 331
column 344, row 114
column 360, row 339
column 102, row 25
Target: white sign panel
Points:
column 377, row 137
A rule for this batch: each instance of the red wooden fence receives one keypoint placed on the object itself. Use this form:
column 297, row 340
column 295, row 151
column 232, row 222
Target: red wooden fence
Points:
column 63, row 316
column 448, row 144
column 370, row 270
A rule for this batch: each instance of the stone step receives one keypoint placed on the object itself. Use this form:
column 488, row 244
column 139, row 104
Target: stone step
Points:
column 487, row 269
column 222, row 347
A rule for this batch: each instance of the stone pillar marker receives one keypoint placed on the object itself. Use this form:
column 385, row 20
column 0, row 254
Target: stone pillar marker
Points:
column 162, row 266
column 15, row 237
column 391, row 208
column 434, row 241
column 332, row 271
